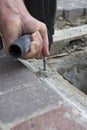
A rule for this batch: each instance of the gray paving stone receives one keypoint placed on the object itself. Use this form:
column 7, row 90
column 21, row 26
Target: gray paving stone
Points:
column 61, row 118
column 22, row 94
column 68, row 4
column 73, row 12
column 24, row 103
column 14, row 75
column 73, row 2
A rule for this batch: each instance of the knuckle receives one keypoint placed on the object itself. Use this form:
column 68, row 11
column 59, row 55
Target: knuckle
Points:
column 37, row 45
column 44, row 26
column 37, row 33
column 34, row 34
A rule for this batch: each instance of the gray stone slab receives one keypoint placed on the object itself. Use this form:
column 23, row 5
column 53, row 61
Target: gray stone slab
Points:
column 65, row 4
column 73, row 2
column 13, row 75
column 22, row 94
column 73, row 12
column 26, row 102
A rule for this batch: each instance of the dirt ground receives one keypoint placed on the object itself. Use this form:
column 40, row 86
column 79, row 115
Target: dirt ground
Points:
column 73, row 65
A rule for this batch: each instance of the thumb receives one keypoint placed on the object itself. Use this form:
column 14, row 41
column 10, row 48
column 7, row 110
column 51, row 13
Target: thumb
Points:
column 44, row 34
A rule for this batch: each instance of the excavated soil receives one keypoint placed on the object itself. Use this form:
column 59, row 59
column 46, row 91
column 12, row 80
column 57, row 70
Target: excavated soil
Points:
column 73, row 67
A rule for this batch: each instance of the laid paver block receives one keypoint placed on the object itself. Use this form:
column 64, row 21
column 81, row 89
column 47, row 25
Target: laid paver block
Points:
column 22, row 94
column 24, row 103
column 73, row 12
column 71, row 2
column 61, row 118
column 14, row 75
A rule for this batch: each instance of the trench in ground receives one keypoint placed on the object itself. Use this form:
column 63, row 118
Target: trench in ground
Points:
column 73, row 68
column 77, row 76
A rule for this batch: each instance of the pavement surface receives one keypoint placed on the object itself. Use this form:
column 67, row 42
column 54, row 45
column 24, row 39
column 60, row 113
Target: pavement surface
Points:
column 72, row 2
column 71, row 9
column 28, row 103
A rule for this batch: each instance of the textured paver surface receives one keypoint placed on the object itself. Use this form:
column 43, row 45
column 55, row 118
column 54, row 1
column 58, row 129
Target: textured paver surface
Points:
column 72, row 2
column 71, row 9
column 27, row 103
column 57, row 119
column 21, row 92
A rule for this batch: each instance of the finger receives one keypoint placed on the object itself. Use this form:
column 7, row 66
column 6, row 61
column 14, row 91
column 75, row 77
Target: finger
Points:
column 32, row 25
column 44, row 35
column 36, row 47
column 37, row 37
column 32, row 53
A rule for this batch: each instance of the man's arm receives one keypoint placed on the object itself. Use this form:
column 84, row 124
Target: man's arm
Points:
column 15, row 21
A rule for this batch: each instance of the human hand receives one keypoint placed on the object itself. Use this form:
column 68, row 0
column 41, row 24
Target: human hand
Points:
column 15, row 21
